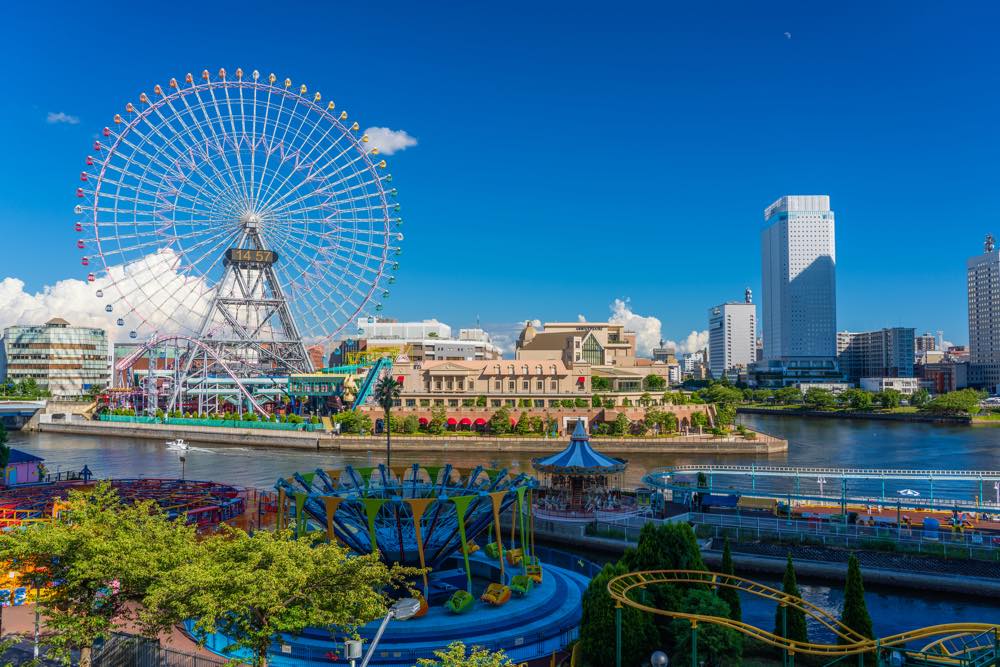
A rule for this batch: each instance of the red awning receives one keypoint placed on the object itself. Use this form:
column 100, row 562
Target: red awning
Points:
column 400, row 378
column 480, row 421
column 465, row 421
column 423, row 421
column 581, row 379
column 452, row 421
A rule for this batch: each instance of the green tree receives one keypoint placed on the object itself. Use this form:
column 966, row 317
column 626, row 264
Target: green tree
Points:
column 386, row 392
column 4, row 451
column 104, row 556
column 596, row 401
column 254, row 588
column 621, row 424
column 730, row 596
column 645, row 400
column 725, row 414
column 597, row 625
column 523, row 426
column 653, row 382
column 720, row 393
column 411, row 424
column 855, row 612
column 456, row 655
column 920, row 398
column 856, row 399
column 598, row 383
column 717, row 645
column 788, row 395
column 439, row 418
column 480, row 401
column 889, row 398
column 795, row 619
column 499, row 422
column 817, row 398
column 964, row 401
column 699, row 419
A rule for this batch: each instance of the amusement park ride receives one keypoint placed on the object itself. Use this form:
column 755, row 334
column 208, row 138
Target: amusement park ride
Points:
column 235, row 220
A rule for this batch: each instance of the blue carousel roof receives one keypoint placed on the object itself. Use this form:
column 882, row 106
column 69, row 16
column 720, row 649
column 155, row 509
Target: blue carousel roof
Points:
column 579, row 457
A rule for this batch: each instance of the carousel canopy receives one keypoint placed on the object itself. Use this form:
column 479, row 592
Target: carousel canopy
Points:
column 579, row 458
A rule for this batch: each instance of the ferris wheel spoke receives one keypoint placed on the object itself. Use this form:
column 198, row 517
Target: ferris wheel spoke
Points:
column 176, row 174
column 284, row 135
column 322, row 175
column 238, row 138
column 326, row 189
column 216, row 118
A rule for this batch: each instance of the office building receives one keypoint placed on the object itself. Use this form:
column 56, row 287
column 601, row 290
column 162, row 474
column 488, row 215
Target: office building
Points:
column 984, row 317
column 904, row 385
column 924, row 343
column 428, row 340
column 732, row 336
column 64, row 360
column 798, row 253
column 885, row 353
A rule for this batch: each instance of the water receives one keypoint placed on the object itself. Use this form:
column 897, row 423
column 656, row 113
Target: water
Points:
column 812, row 442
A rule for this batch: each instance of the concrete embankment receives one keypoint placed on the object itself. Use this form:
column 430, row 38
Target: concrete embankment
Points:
column 764, row 444
column 841, row 414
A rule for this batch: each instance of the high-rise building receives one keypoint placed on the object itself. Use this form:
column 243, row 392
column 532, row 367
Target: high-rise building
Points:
column 799, row 258
column 65, row 360
column 885, row 353
column 925, row 342
column 732, row 336
column 984, row 317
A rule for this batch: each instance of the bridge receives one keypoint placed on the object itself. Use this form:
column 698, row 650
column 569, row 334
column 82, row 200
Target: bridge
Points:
column 15, row 414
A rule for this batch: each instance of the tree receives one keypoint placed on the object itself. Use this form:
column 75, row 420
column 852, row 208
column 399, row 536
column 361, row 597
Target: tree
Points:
column 523, row 426
column 620, row 425
column 720, row 393
column 889, row 398
column 856, row 399
column 597, row 625
column 596, row 401
column 795, row 619
column 788, row 395
column 725, row 414
column 598, row 383
column 855, row 612
column 254, row 588
column 455, row 656
column 386, row 393
column 104, row 556
column 920, row 398
column 717, row 645
column 730, row 596
column 439, row 417
column 818, row 398
column 411, row 424
column 645, row 400
column 653, row 382
column 499, row 422
column 699, row 419
column 4, row 450
column 964, row 401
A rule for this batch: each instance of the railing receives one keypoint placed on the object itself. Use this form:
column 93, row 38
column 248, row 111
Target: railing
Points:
column 123, row 650
column 948, row 544
column 848, row 473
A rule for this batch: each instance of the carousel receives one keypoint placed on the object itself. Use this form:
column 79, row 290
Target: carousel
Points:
column 581, row 484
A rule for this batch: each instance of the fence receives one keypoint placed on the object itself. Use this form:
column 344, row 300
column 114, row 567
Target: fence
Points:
column 947, row 544
column 628, row 530
column 123, row 650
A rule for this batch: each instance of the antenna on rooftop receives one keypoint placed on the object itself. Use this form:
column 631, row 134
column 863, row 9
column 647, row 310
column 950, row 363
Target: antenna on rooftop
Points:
column 989, row 243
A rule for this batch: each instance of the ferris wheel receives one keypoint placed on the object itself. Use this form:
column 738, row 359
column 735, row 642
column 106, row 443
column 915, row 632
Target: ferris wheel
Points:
column 241, row 211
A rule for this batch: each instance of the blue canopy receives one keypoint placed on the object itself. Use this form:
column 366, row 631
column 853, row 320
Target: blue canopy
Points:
column 579, row 458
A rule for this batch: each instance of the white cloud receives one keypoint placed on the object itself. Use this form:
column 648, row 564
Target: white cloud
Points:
column 389, row 141
column 61, row 117
column 696, row 340
column 168, row 300
column 646, row 327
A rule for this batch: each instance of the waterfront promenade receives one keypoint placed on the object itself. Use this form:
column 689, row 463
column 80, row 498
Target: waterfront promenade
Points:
column 681, row 444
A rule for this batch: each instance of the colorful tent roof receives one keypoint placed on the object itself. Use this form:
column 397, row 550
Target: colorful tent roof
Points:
column 579, row 458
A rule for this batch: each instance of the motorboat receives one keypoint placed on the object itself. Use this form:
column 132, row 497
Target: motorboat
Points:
column 178, row 445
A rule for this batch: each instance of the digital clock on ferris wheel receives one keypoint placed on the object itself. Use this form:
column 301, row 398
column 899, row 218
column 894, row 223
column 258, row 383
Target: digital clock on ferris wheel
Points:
column 251, row 256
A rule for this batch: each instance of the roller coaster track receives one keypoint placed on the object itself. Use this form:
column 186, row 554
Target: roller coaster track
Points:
column 127, row 362
column 623, row 589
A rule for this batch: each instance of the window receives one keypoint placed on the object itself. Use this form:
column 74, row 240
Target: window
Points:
column 525, row 385
column 511, row 386
column 411, row 402
column 498, row 385
column 495, row 402
column 437, row 385
column 554, row 385
column 554, row 404
column 539, row 385
column 538, row 370
column 438, row 401
column 509, row 402
column 539, row 403
column 453, row 402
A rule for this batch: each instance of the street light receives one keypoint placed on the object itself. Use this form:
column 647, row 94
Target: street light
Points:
column 659, row 659
column 401, row 610
column 183, row 462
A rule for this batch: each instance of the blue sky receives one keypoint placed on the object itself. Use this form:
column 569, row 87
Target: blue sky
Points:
column 571, row 154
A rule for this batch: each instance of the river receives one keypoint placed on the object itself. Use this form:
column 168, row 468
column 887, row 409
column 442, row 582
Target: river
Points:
column 812, row 442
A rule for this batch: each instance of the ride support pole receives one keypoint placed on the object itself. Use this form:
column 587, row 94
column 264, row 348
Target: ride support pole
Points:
column 694, row 643
column 784, row 633
column 618, row 634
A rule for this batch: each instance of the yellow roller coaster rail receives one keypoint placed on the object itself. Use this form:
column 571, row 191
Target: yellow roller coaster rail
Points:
column 625, row 590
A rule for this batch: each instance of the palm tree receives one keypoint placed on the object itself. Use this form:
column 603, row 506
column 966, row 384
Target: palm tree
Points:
column 386, row 393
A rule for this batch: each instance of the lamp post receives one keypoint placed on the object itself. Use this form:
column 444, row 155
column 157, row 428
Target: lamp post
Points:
column 183, row 465
column 659, row 659
column 400, row 610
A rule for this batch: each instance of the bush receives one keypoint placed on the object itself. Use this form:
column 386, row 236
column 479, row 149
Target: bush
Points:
column 468, row 402
column 499, row 422
column 567, row 403
column 596, row 401
column 480, row 401
column 580, row 403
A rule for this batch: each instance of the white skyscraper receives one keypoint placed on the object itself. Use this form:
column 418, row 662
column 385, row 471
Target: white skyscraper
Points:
column 732, row 336
column 799, row 286
column 984, row 317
